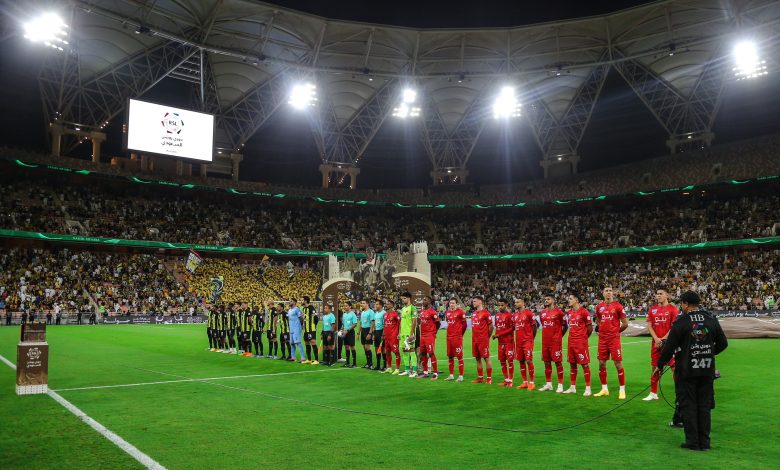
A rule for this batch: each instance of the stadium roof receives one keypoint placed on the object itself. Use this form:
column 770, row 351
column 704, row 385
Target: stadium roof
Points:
column 242, row 56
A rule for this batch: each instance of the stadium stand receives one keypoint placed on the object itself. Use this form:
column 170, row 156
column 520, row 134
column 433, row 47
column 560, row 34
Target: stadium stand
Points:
column 743, row 280
column 37, row 279
column 92, row 206
column 734, row 161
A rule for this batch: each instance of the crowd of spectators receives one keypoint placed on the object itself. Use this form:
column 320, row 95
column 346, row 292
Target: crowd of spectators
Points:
column 96, row 207
column 35, row 280
column 71, row 280
column 38, row 280
column 255, row 283
column 746, row 280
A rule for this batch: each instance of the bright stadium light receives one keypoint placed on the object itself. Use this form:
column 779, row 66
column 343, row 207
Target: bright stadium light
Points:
column 748, row 64
column 405, row 109
column 303, row 95
column 48, row 29
column 506, row 104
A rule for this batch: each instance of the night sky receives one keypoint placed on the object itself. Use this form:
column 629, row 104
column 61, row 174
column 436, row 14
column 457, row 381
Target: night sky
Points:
column 621, row 129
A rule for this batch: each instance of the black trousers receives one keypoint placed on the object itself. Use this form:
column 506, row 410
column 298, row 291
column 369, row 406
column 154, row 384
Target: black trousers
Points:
column 696, row 397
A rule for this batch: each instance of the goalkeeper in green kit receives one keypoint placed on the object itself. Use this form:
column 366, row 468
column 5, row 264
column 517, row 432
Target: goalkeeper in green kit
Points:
column 406, row 335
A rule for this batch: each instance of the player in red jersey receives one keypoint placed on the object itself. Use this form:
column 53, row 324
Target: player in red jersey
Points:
column 456, row 328
column 392, row 322
column 481, row 329
column 611, row 320
column 429, row 326
column 659, row 321
column 525, row 332
column 580, row 328
column 553, row 328
column 505, row 329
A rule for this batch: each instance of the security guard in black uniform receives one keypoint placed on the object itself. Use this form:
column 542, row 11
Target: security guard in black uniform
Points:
column 695, row 339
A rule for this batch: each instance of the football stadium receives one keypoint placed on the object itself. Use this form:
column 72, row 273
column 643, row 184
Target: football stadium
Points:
column 344, row 234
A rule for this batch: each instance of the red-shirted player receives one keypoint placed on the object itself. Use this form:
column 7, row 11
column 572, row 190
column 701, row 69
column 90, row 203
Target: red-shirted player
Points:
column 505, row 334
column 553, row 328
column 429, row 326
column 390, row 342
column 481, row 329
column 456, row 328
column 611, row 320
column 525, row 332
column 659, row 321
column 580, row 328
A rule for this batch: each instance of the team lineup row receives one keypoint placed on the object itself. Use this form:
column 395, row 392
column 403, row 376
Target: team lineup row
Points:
column 410, row 336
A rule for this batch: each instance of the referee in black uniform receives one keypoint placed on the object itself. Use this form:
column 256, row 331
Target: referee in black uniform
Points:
column 694, row 340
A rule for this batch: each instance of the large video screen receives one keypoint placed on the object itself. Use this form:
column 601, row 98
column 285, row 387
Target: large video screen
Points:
column 166, row 130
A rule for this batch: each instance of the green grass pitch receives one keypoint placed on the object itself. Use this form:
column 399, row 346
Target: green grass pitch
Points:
column 267, row 421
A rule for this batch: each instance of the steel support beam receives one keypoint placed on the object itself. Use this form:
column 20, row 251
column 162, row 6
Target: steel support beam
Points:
column 345, row 145
column 684, row 118
column 450, row 151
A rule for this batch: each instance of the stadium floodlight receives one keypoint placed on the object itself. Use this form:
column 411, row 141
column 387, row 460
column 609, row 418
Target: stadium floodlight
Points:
column 748, row 63
column 48, row 29
column 303, row 95
column 506, row 104
column 405, row 109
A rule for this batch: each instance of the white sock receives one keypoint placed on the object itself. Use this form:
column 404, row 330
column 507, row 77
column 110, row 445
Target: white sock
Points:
column 587, row 389
column 549, row 384
column 460, row 377
column 604, row 387
column 622, row 388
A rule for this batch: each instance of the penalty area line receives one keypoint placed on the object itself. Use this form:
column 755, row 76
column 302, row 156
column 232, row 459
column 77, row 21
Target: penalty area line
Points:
column 128, row 448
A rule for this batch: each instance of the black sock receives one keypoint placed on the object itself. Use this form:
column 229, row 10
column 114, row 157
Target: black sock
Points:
column 354, row 357
column 347, row 354
column 315, row 352
column 369, row 358
column 276, row 349
column 308, row 352
column 260, row 345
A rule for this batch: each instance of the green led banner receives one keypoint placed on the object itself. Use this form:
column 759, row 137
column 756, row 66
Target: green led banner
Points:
column 149, row 244
column 137, row 180
column 611, row 251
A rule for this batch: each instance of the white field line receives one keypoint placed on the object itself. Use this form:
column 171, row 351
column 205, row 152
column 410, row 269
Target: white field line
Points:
column 130, row 449
column 194, row 380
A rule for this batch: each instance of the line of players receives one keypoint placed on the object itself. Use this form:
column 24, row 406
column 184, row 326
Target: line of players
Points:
column 411, row 338
column 236, row 328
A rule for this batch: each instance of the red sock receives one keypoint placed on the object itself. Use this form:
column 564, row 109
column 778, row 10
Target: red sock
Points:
column 460, row 366
column 479, row 370
column 531, row 372
column 622, row 377
column 424, row 360
column 452, row 365
column 654, row 383
column 434, row 364
column 573, row 375
column 586, row 373
column 559, row 368
column 511, row 369
column 603, row 375
column 523, row 372
column 489, row 372
column 397, row 360
column 548, row 371
column 503, row 370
